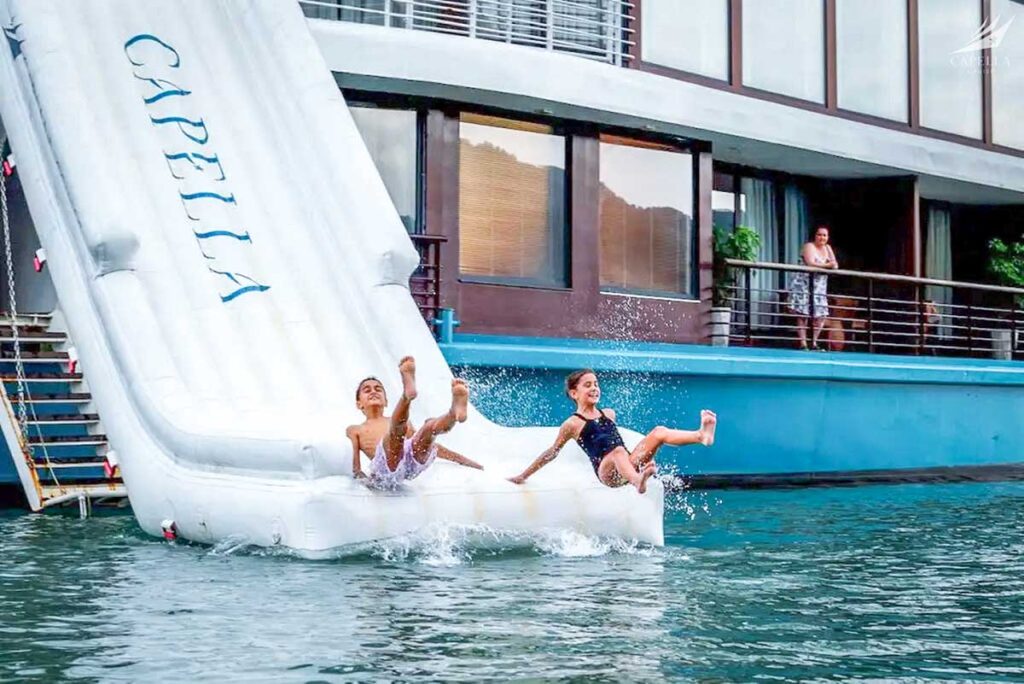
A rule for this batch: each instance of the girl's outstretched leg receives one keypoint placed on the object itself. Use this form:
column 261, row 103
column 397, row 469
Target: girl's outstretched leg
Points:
column 621, row 463
column 398, row 426
column 659, row 436
column 424, row 437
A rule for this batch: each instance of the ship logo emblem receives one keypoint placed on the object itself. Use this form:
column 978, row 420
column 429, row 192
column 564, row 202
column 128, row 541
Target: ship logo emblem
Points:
column 988, row 37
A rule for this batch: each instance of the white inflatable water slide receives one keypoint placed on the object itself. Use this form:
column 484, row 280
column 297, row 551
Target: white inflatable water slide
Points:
column 230, row 266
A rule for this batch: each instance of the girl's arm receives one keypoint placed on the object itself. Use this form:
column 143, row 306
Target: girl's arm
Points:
column 833, row 263
column 449, row 455
column 565, row 433
column 357, row 466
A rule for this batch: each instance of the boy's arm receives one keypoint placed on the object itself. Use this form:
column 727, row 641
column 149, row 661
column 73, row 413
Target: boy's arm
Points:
column 449, row 455
column 565, row 433
column 357, row 466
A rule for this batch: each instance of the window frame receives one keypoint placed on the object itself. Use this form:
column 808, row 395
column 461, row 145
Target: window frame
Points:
column 558, row 128
column 678, row 145
column 388, row 102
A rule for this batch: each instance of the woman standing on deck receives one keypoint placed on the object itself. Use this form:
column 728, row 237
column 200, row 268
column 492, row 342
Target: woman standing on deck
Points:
column 817, row 253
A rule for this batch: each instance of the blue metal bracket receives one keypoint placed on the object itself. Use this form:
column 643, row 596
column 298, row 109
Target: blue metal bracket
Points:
column 446, row 324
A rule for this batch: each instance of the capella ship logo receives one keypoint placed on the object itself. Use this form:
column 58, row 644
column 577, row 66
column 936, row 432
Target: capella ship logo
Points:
column 990, row 35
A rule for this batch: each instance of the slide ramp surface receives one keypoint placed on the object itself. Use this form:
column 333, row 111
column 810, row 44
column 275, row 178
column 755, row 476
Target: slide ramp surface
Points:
column 230, row 266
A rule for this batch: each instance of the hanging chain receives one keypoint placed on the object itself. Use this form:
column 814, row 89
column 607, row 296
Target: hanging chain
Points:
column 19, row 367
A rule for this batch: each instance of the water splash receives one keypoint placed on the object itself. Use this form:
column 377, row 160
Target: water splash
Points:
column 454, row 545
column 680, row 498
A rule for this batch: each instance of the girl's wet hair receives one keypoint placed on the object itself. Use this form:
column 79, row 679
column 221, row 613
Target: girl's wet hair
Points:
column 574, row 378
column 368, row 379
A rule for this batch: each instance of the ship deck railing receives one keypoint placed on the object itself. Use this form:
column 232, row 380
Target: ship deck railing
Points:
column 600, row 31
column 873, row 312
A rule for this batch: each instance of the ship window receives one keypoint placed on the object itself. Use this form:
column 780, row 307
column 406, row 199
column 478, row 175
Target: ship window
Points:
column 512, row 202
column 784, row 47
column 1008, row 75
column 392, row 137
column 871, row 46
column 689, row 35
column 950, row 79
column 646, row 225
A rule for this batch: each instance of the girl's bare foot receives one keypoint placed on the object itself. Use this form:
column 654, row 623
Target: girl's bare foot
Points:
column 460, row 398
column 407, row 367
column 708, row 422
column 645, row 475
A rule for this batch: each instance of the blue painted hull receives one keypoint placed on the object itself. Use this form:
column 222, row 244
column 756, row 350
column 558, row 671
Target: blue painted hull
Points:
column 8, row 475
column 780, row 411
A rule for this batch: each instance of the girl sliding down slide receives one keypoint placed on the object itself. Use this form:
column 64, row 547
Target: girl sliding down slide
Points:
column 595, row 431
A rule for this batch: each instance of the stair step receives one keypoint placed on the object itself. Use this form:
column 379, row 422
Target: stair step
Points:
column 26, row 315
column 68, row 489
column 66, row 419
column 71, row 398
column 62, row 464
column 39, row 378
column 36, row 357
column 67, row 440
column 7, row 335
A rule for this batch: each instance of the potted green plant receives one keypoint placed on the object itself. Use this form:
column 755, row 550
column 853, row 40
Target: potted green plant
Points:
column 1006, row 263
column 741, row 243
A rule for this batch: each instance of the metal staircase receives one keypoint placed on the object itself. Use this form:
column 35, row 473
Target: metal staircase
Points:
column 63, row 455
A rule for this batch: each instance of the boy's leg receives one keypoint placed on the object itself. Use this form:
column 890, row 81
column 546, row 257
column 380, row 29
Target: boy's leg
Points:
column 621, row 462
column 644, row 452
column 398, row 424
column 423, row 440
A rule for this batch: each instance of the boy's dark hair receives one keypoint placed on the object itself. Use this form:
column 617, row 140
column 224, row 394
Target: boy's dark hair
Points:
column 368, row 379
column 573, row 379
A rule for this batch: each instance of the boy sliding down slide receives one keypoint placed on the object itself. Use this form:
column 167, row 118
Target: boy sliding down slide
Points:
column 396, row 451
column 595, row 431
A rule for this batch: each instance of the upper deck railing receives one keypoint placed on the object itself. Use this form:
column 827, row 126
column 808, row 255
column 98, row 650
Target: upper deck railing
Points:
column 874, row 312
column 596, row 29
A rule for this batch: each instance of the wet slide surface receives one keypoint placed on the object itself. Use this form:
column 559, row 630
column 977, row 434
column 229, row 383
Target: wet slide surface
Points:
column 230, row 265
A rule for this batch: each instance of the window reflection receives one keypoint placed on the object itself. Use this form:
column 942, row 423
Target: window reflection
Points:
column 784, row 47
column 689, row 35
column 512, row 220
column 646, row 218
column 950, row 79
column 391, row 136
column 871, row 46
column 1008, row 75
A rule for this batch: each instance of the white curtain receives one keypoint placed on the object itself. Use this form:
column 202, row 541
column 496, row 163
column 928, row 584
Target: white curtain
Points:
column 757, row 212
column 938, row 263
column 797, row 225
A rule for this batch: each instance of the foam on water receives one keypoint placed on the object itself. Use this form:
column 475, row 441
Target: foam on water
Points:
column 452, row 545
column 442, row 545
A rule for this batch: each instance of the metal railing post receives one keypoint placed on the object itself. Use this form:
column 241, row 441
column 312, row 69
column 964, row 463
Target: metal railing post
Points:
column 871, row 316
column 1013, row 325
column 750, row 306
column 970, row 322
column 920, row 319
column 549, row 37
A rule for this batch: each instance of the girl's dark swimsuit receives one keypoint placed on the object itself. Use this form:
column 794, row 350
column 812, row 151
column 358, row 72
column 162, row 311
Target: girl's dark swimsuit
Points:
column 598, row 437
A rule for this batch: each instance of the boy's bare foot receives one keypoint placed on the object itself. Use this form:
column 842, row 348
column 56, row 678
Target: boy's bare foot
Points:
column 460, row 398
column 645, row 475
column 708, row 422
column 407, row 367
